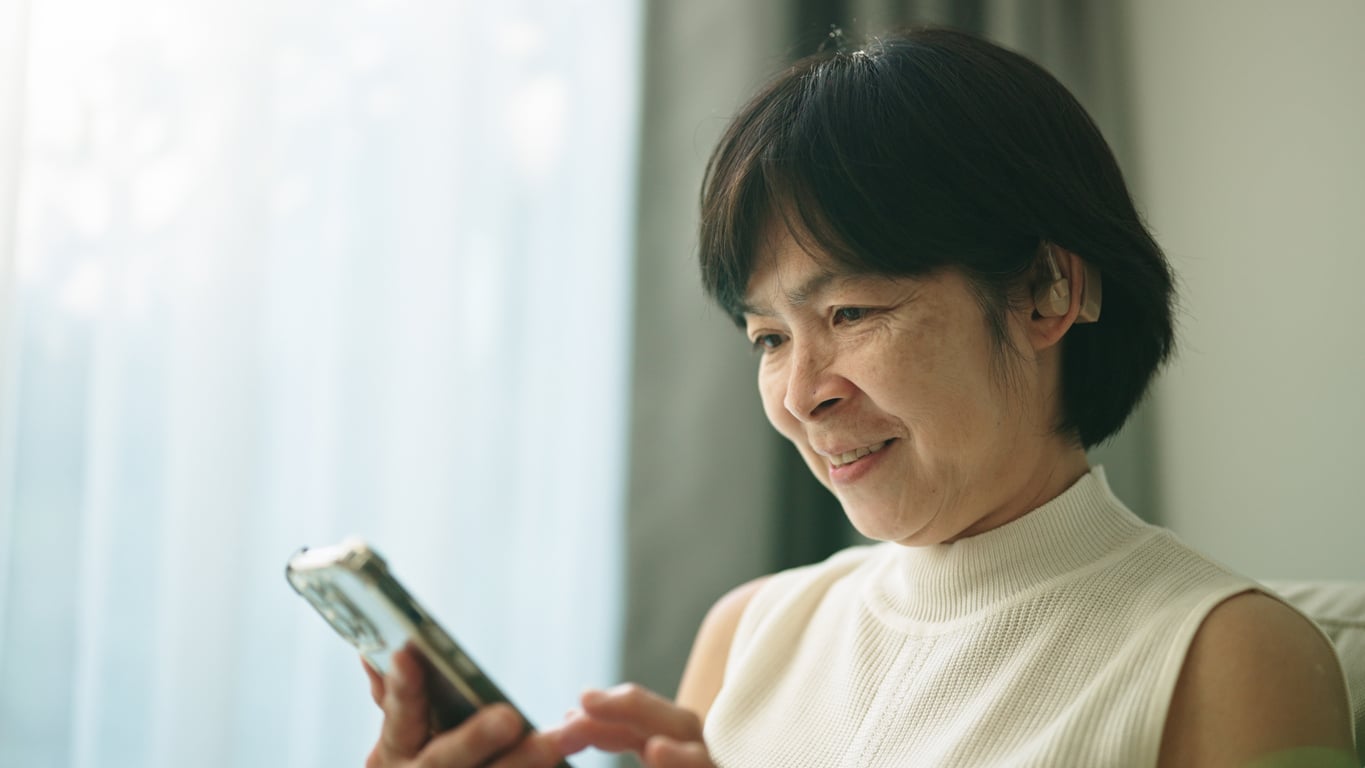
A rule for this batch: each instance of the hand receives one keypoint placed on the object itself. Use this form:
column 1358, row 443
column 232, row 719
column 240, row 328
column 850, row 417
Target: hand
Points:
column 631, row 718
column 493, row 737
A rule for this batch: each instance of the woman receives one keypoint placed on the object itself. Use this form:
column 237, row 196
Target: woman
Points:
column 934, row 252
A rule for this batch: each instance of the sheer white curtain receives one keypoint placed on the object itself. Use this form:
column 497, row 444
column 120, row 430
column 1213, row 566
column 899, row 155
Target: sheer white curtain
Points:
column 274, row 272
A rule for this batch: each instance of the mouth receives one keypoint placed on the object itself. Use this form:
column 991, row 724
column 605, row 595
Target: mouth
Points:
column 848, row 457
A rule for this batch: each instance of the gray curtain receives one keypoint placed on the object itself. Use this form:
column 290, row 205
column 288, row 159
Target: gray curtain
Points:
column 715, row 497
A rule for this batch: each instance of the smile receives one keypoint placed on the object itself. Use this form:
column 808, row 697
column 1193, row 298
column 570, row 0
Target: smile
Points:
column 848, row 457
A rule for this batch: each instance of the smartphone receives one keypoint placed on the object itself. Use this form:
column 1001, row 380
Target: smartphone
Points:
column 350, row 585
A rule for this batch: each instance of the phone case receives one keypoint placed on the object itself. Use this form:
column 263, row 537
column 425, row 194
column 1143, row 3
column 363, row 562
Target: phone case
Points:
column 350, row 586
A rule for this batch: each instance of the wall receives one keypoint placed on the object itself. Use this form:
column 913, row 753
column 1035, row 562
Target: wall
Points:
column 700, row 449
column 1250, row 163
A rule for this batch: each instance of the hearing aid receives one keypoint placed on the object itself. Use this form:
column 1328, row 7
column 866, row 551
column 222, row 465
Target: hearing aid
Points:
column 1053, row 297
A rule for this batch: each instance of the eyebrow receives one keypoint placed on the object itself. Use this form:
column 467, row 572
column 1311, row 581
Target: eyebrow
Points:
column 799, row 295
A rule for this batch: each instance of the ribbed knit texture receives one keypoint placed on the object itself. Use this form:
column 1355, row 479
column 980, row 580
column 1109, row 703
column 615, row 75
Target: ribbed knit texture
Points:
column 1054, row 640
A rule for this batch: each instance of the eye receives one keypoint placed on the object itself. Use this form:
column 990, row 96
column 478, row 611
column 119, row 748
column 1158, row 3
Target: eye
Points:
column 850, row 314
column 764, row 342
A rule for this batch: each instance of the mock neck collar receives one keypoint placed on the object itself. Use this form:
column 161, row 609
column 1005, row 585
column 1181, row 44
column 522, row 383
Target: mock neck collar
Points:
column 924, row 587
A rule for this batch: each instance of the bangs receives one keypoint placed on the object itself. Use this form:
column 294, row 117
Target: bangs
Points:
column 781, row 163
column 849, row 155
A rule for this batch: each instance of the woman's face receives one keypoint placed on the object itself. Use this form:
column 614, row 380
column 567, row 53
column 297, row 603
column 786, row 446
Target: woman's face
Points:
column 892, row 390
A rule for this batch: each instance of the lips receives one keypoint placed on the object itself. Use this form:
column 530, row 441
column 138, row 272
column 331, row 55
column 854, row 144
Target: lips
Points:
column 849, row 456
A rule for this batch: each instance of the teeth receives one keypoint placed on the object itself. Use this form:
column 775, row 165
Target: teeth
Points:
column 851, row 456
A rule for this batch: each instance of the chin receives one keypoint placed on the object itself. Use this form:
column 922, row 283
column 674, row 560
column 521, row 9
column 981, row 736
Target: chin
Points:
column 876, row 527
column 882, row 524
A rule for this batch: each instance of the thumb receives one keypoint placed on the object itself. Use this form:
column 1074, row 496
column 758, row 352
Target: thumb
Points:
column 663, row 752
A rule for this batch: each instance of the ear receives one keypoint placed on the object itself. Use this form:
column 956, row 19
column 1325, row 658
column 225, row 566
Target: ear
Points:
column 1060, row 295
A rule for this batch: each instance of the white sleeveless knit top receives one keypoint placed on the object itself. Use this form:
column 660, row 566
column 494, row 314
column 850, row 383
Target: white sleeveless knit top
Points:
column 1054, row 640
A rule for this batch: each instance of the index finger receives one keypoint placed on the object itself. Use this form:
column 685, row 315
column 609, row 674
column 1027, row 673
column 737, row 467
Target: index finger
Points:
column 406, row 726
column 376, row 682
column 644, row 711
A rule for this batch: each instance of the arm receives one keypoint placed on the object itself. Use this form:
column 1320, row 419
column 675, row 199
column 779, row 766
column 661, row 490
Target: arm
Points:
column 705, row 670
column 1260, row 687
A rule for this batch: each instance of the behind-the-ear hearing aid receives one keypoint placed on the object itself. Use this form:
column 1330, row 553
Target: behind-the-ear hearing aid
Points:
column 1053, row 297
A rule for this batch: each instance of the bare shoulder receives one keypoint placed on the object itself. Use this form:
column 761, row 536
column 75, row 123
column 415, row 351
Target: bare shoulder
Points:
column 1259, row 686
column 705, row 669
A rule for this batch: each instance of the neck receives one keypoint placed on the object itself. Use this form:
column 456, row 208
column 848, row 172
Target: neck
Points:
column 1057, row 470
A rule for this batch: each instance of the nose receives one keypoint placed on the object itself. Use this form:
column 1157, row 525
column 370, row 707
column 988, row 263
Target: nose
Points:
column 813, row 387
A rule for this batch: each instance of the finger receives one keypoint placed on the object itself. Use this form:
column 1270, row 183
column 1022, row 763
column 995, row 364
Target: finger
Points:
column 406, row 727
column 492, row 730
column 645, row 711
column 376, row 682
column 537, row 750
column 663, row 752
column 582, row 731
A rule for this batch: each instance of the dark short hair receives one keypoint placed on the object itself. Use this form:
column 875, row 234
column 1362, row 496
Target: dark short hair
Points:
column 931, row 149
